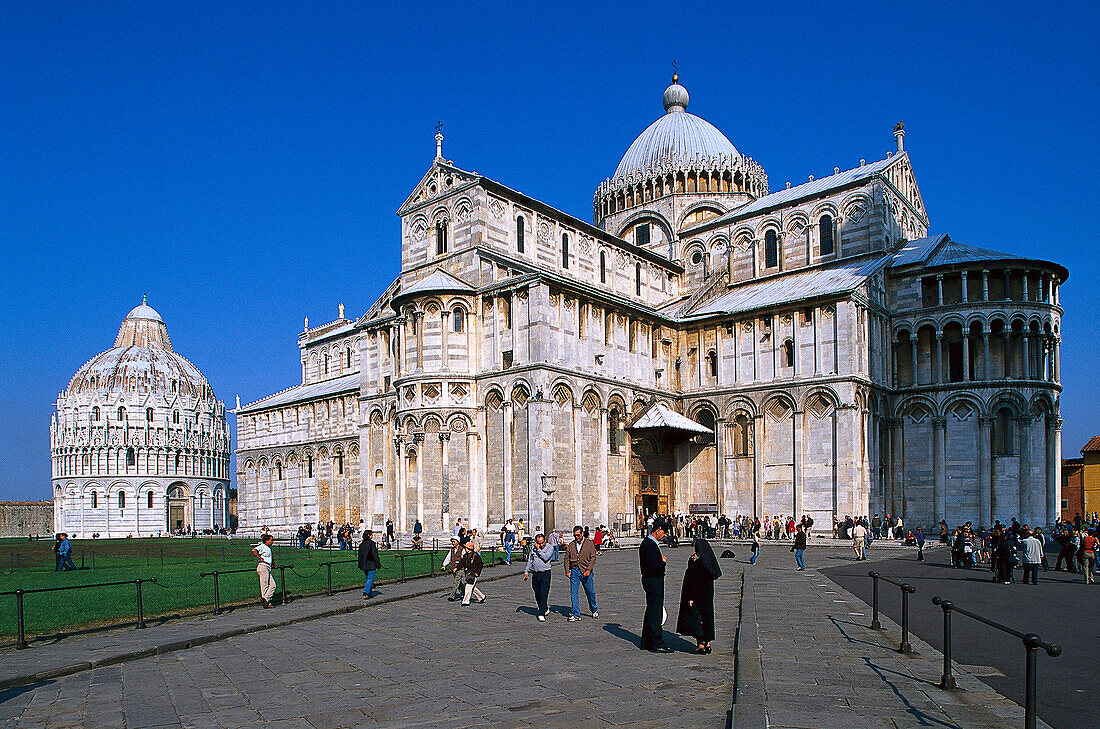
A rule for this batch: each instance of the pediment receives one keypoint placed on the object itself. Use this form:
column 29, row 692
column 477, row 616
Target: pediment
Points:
column 438, row 182
column 901, row 177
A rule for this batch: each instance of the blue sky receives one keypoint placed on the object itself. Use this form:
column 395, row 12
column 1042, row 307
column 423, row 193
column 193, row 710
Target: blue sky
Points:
column 242, row 163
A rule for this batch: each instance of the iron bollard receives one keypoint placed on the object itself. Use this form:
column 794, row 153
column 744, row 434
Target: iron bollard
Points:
column 21, row 641
column 217, row 596
column 947, row 681
column 282, row 582
column 875, row 624
column 329, row 566
column 906, row 591
column 402, row 566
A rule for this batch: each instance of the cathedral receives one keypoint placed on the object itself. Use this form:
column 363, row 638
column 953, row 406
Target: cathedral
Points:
column 705, row 345
column 139, row 442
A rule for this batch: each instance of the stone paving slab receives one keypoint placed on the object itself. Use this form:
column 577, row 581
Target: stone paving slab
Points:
column 806, row 659
column 62, row 657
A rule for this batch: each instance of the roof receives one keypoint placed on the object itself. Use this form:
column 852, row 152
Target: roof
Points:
column 1093, row 445
column 298, row 393
column 940, row 250
column 659, row 416
column 837, row 278
column 807, row 189
column 915, row 251
column 677, row 139
column 435, row 282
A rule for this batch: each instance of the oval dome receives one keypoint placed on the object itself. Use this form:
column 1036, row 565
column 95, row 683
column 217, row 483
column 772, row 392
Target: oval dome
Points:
column 142, row 360
column 675, row 140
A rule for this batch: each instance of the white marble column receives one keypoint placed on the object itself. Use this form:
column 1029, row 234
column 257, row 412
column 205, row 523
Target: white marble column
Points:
column 509, row 429
column 758, row 466
column 1054, row 462
column 939, row 468
column 444, row 486
column 418, row 438
column 985, row 472
column 1025, row 510
column 799, row 450
column 602, row 450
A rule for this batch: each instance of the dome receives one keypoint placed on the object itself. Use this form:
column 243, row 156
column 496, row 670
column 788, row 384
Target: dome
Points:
column 142, row 360
column 675, row 140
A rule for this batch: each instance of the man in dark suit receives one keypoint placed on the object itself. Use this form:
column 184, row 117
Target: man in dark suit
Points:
column 653, row 582
column 369, row 561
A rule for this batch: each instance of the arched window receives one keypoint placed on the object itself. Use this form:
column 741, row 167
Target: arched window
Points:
column 348, row 353
column 712, row 363
column 519, row 234
column 200, row 499
column 149, row 500
column 613, row 430
column 705, row 418
column 177, row 461
column 603, row 267
column 309, row 465
column 148, row 415
column 131, row 457
column 175, row 417
column 121, row 414
column 339, row 464
column 771, row 249
column 278, row 471
column 95, row 500
column 1004, row 433
column 459, row 321
column 641, row 235
column 95, row 414
column 122, row 499
column 825, row 225
column 441, row 237
column 565, row 250
column 326, row 364
column 742, row 436
column 788, row 353
column 637, row 279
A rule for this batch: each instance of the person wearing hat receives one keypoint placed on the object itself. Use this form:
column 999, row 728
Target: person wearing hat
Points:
column 652, row 564
column 453, row 558
column 369, row 561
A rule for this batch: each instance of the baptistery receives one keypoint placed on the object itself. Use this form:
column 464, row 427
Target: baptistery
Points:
column 139, row 441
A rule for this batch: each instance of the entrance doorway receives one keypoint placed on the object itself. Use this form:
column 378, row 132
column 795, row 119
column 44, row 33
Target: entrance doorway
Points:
column 178, row 503
column 650, row 496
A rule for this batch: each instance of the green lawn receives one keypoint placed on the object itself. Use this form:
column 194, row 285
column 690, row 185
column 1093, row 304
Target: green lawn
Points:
column 177, row 565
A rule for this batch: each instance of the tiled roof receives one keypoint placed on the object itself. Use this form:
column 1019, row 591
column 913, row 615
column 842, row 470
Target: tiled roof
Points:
column 437, row 280
column 298, row 393
column 1092, row 445
column 658, row 416
column 917, row 250
column 939, row 250
column 798, row 286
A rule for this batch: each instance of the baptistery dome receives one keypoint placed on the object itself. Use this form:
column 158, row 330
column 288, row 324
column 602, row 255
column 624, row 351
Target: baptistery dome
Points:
column 139, row 442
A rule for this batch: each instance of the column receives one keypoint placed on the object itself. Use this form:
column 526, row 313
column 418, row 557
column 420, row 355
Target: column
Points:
column 939, row 468
column 888, row 500
column 602, row 450
column 939, row 357
column 509, row 429
column 837, row 237
column 817, row 343
column 1025, row 355
column 798, row 458
column 1023, row 281
column 985, row 284
column 985, row 472
column 939, row 289
column 1054, row 461
column 1006, row 333
column 966, row 353
column 444, row 319
column 794, row 341
column 444, row 486
column 418, row 438
column 914, row 340
column 758, row 466
column 402, row 517
column 964, row 293
column 720, row 440
column 1057, row 359
column 755, row 351
column 986, row 371
column 1025, row 511
column 894, row 363
column 578, row 473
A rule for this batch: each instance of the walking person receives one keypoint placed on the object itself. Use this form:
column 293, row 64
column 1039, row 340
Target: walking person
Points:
column 580, row 560
column 539, row 562
column 652, row 564
column 369, row 561
column 264, row 564
column 554, row 540
column 1088, row 547
column 696, row 616
column 859, row 534
column 471, row 566
column 799, row 548
column 65, row 554
column 755, row 548
column 920, row 545
column 509, row 540
column 453, row 558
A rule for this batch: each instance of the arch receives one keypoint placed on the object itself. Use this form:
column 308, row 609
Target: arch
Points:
column 590, row 401
column 693, row 213
column 432, row 424
column 521, row 393
column 956, row 403
column 825, row 207
column 740, row 403
column 459, row 423
column 646, row 216
column 494, row 398
column 1042, row 404
column 779, row 406
column 1007, row 398
column 409, row 423
column 917, row 406
column 375, row 417
column 562, row 395
column 821, row 392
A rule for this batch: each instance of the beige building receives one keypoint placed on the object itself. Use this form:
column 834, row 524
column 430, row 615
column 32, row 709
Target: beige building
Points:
column 703, row 345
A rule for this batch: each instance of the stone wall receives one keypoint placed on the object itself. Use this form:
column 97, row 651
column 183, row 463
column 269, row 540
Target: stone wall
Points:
column 26, row 518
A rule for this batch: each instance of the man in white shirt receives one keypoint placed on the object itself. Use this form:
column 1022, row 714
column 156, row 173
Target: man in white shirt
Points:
column 457, row 527
column 264, row 563
column 509, row 540
column 859, row 534
column 1032, row 550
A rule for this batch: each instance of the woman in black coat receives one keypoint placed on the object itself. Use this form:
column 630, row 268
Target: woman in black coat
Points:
column 697, row 596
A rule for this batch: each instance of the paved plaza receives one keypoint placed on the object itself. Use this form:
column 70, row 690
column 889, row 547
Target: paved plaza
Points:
column 792, row 651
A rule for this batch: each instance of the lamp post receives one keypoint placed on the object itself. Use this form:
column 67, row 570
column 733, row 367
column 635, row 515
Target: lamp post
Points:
column 549, row 486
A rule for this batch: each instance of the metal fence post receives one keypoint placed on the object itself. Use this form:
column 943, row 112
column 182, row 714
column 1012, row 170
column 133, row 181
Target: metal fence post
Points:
column 431, row 560
column 282, row 583
column 140, row 607
column 906, row 590
column 402, row 566
column 217, row 596
column 329, row 566
column 947, row 681
column 21, row 641
column 875, row 624
column 1031, row 644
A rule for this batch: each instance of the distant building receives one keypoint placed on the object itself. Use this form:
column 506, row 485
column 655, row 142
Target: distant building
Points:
column 139, row 442
column 1090, row 476
column 26, row 518
column 704, row 344
column 1073, row 487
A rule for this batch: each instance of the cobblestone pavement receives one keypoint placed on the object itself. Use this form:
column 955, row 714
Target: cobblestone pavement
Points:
column 807, row 658
column 422, row 662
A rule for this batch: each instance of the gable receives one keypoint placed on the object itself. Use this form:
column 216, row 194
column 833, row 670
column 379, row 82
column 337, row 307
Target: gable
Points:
column 900, row 176
column 438, row 182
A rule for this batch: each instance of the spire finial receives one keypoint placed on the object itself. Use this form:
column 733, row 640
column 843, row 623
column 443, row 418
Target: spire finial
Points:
column 439, row 140
column 675, row 73
column 145, row 299
column 899, row 134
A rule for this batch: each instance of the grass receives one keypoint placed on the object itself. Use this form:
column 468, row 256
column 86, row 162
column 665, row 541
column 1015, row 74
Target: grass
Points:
column 177, row 565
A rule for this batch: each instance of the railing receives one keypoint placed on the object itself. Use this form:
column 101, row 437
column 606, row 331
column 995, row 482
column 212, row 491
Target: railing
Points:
column 20, row 622
column 906, row 591
column 1032, row 644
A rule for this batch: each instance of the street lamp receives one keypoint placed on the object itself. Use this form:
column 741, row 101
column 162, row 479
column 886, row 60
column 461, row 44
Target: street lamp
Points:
column 549, row 486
